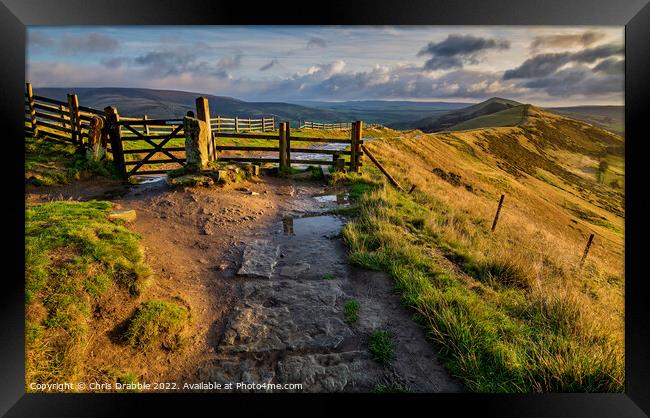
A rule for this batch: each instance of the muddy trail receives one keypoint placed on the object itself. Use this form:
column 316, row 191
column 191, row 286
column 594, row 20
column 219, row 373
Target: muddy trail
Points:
column 262, row 267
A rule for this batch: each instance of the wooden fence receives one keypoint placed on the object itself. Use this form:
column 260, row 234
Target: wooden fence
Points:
column 137, row 144
column 238, row 124
column 281, row 144
column 65, row 121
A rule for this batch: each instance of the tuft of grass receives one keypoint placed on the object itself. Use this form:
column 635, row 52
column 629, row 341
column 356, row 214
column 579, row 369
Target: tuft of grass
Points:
column 74, row 256
column 382, row 347
column 351, row 311
column 329, row 276
column 158, row 322
column 128, row 378
column 391, row 388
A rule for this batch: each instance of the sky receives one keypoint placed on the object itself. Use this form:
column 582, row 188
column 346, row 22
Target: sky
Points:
column 546, row 66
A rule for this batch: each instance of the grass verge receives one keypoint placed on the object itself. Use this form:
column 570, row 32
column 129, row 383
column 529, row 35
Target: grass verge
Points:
column 74, row 257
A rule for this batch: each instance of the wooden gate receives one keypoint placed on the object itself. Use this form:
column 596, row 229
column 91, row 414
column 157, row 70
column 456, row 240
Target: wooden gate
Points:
column 138, row 144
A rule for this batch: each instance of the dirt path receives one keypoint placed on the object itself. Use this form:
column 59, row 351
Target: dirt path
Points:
column 280, row 320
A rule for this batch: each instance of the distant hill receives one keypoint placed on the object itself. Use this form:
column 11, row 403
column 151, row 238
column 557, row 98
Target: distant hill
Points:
column 135, row 102
column 513, row 116
column 386, row 111
column 445, row 121
column 611, row 118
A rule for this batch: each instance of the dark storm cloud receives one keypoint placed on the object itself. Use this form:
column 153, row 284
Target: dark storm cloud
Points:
column 269, row 65
column 457, row 50
column 611, row 66
column 546, row 64
column 566, row 40
column 580, row 80
column 91, row 42
column 316, row 42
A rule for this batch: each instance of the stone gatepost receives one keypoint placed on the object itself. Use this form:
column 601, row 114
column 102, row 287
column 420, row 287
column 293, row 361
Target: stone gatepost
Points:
column 97, row 148
column 196, row 143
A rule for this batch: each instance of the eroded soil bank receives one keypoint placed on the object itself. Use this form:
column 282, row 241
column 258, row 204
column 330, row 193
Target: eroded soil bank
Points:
column 263, row 269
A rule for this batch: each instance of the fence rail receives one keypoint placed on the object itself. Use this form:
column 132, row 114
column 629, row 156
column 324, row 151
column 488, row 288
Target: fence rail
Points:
column 237, row 124
column 305, row 124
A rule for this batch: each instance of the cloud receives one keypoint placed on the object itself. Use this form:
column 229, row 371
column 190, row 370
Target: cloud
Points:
column 546, row 64
column 115, row 62
column 172, row 63
column 400, row 81
column 226, row 64
column 580, row 80
column 611, row 66
column 87, row 43
column 316, row 42
column 457, row 50
column 39, row 39
column 326, row 70
column 566, row 40
column 269, row 65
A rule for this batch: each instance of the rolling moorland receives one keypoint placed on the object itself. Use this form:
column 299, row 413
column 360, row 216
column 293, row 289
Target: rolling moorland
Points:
column 426, row 116
column 506, row 311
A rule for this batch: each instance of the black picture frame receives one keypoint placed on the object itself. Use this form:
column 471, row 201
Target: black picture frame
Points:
column 15, row 15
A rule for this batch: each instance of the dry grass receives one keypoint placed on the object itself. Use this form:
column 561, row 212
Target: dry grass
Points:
column 511, row 312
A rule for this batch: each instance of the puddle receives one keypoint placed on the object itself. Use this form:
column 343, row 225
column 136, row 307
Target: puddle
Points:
column 312, row 226
column 340, row 199
column 150, row 179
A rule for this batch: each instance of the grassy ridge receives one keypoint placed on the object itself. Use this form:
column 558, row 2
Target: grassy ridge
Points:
column 509, row 117
column 509, row 311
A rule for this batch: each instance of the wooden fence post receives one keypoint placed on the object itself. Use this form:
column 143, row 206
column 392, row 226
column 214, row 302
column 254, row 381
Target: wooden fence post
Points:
column 358, row 133
column 236, row 124
column 584, row 255
column 496, row 216
column 287, row 131
column 282, row 137
column 32, row 109
column 75, row 123
column 353, row 149
column 382, row 169
column 203, row 113
column 62, row 113
column 113, row 129
column 146, row 127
